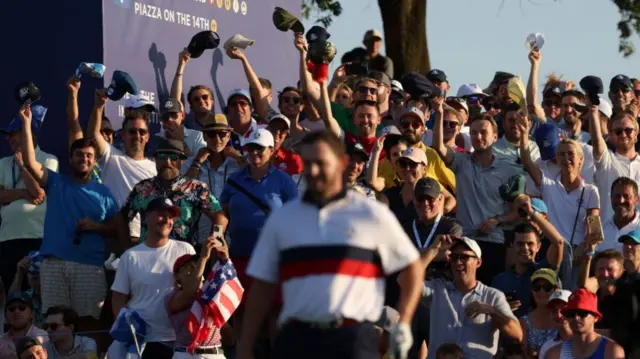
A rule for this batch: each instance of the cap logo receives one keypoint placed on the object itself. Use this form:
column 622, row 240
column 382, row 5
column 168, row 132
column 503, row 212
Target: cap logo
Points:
column 168, row 202
column 358, row 146
column 434, row 72
column 282, row 165
column 385, row 131
column 546, row 143
column 256, row 134
column 23, row 92
column 168, row 104
column 556, row 90
column 620, row 77
column 313, row 37
column 110, row 91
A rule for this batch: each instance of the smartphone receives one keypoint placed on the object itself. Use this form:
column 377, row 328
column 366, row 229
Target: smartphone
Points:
column 356, row 68
column 594, row 227
column 511, row 296
column 218, row 235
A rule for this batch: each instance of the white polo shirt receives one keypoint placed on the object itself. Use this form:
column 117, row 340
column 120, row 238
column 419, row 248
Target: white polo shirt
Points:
column 563, row 207
column 588, row 168
column 612, row 232
column 332, row 261
column 608, row 169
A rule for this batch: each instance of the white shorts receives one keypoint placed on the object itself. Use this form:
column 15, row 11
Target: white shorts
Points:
column 82, row 287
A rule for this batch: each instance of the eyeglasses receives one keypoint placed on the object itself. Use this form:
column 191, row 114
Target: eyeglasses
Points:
column 547, row 287
column 170, row 156
column 294, row 100
column 472, row 100
column 549, row 103
column 21, row 308
column 410, row 124
column 219, row 134
column 450, row 124
column 461, row 257
column 623, row 89
column 140, row 131
column 627, row 131
column 242, row 103
column 425, row 198
column 489, row 106
column 403, row 163
column 576, row 312
column 370, row 90
column 52, row 327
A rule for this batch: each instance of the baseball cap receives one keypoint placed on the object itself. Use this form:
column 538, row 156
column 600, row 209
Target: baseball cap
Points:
column 279, row 116
column 37, row 117
column 356, row 149
column 436, row 75
column 201, row 41
column 547, row 138
column 469, row 243
column 261, row 137
column 391, row 130
column 172, row 105
column 317, row 34
column 238, row 41
column 166, row 145
column 605, row 107
column 555, row 90
column 26, row 93
column 19, row 297
column 285, row 21
column 140, row 101
column 25, row 344
column 215, row 122
column 466, row 90
column 427, row 186
column 396, row 86
column 634, row 235
column 582, row 299
column 121, row 84
column 560, row 295
column 163, row 204
column 182, row 260
column 380, row 77
column 372, row 35
column 240, row 92
column 547, row 274
column 620, row 81
column 539, row 205
column 457, row 103
column 415, row 155
column 413, row 111
column 388, row 319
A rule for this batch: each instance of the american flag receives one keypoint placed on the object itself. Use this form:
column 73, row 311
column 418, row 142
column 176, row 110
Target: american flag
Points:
column 218, row 298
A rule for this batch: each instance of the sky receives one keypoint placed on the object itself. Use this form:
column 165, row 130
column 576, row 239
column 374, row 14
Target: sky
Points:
column 471, row 39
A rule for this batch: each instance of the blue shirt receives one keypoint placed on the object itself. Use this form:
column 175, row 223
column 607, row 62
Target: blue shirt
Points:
column 518, row 285
column 245, row 217
column 67, row 203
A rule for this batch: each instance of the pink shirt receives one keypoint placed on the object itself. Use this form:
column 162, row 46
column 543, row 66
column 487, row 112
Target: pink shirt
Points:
column 8, row 343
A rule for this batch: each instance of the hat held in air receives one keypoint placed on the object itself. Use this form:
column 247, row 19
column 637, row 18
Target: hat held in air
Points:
column 285, row 21
column 204, row 40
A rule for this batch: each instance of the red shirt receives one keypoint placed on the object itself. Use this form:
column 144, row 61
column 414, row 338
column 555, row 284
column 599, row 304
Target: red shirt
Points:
column 288, row 161
column 367, row 143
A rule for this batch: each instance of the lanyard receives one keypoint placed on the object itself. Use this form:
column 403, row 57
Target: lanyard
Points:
column 428, row 239
column 13, row 174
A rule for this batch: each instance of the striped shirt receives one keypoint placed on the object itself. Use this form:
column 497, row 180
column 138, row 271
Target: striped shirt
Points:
column 179, row 324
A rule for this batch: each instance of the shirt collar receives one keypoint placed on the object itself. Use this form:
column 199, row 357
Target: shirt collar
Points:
column 310, row 198
column 247, row 172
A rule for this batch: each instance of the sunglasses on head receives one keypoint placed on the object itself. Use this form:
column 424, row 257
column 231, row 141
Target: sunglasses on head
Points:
column 461, row 256
column 404, row 163
column 547, row 287
column 21, row 308
column 219, row 134
column 370, row 90
column 52, row 326
column 139, row 131
column 576, row 312
column 627, row 131
column 169, row 156
column 294, row 100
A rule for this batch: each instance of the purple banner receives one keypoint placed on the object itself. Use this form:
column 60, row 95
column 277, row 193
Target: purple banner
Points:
column 144, row 38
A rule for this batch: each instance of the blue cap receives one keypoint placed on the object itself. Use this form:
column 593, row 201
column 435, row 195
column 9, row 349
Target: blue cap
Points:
column 547, row 138
column 121, row 83
column 634, row 235
column 539, row 205
column 90, row 69
column 37, row 117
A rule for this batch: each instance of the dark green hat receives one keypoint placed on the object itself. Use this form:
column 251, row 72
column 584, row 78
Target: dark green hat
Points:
column 285, row 21
column 514, row 187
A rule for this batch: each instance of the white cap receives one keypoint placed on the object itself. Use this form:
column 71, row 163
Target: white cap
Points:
column 261, row 137
column 470, row 90
column 138, row 101
column 391, row 130
column 371, row 34
column 415, row 155
column 560, row 294
column 473, row 245
column 413, row 111
column 605, row 107
column 459, row 101
column 281, row 117
column 240, row 92
column 238, row 41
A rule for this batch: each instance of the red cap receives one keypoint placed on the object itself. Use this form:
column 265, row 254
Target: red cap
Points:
column 181, row 261
column 582, row 299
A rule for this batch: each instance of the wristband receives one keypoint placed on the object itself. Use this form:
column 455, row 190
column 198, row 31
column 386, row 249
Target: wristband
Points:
column 196, row 164
column 590, row 254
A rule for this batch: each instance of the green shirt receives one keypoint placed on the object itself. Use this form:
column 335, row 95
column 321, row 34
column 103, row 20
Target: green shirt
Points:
column 344, row 117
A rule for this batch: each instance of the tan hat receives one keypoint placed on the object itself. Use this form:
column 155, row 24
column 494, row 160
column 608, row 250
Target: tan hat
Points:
column 415, row 155
column 238, row 41
column 215, row 122
column 372, row 34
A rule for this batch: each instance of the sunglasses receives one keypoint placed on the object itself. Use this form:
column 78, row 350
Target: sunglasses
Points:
column 411, row 124
column 370, row 90
column 219, row 134
column 169, row 156
column 472, row 100
column 623, row 89
column 404, row 164
column 140, row 131
column 425, row 199
column 547, row 287
column 489, row 106
column 21, row 308
column 52, row 326
column 461, row 256
column 627, row 131
column 450, row 124
column 295, row 100
column 242, row 103
column 549, row 103
column 576, row 312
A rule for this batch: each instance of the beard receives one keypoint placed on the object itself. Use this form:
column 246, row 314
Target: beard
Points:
column 412, row 138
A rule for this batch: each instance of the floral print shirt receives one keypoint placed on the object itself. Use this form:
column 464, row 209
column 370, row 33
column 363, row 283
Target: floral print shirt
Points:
column 192, row 196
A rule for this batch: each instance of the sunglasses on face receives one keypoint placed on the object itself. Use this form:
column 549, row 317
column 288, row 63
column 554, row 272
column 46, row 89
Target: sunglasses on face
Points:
column 21, row 308
column 295, row 100
column 140, row 131
column 404, row 164
column 450, row 124
column 219, row 134
column 169, row 156
column 627, row 131
column 549, row 103
column 547, row 287
column 577, row 312
column 461, row 256
column 623, row 89
column 241, row 103
column 425, row 199
column 370, row 90
column 410, row 124
column 52, row 326
column 489, row 106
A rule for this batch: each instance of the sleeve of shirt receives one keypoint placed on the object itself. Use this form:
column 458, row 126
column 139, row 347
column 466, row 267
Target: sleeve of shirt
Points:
column 530, row 187
column 51, row 163
column 88, row 345
column 394, row 246
column 129, row 210
column 428, row 288
column 605, row 160
column 121, row 283
column 264, row 262
column 110, row 204
column 53, row 178
column 501, row 305
column 441, row 172
column 593, row 197
column 198, row 143
column 106, row 156
column 208, row 201
column 460, row 161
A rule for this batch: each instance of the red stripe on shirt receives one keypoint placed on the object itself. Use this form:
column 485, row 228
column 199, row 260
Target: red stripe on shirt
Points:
column 348, row 267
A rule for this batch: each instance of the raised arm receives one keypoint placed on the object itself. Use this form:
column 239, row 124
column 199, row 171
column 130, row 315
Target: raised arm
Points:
column 532, row 94
column 36, row 169
column 325, row 111
column 597, row 140
column 262, row 95
column 445, row 152
column 525, row 155
column 74, row 131
column 556, row 241
column 176, row 85
column 584, row 280
column 376, row 182
column 449, row 203
column 306, row 81
column 95, row 121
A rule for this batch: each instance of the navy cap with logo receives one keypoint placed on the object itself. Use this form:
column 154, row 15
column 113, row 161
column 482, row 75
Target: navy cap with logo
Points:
column 356, row 149
column 592, row 86
column 437, row 76
column 428, row 187
column 26, row 93
column 121, row 83
column 619, row 82
column 317, row 33
column 552, row 91
column 418, row 86
column 204, row 40
column 19, row 297
column 26, row 343
column 163, row 204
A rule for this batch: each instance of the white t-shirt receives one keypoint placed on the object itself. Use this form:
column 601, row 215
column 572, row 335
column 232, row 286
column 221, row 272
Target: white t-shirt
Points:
column 146, row 275
column 120, row 173
column 611, row 166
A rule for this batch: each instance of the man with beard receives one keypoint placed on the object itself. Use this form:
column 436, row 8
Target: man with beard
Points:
column 507, row 148
column 582, row 313
column 74, row 229
column 172, row 119
column 190, row 195
column 624, row 199
column 357, row 162
column 239, row 110
column 621, row 93
column 611, row 164
column 572, row 102
column 19, row 314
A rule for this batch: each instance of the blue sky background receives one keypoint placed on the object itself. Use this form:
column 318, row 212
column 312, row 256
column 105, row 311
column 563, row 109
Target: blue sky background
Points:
column 471, row 39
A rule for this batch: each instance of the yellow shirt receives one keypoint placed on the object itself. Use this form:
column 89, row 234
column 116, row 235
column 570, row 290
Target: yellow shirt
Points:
column 435, row 169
